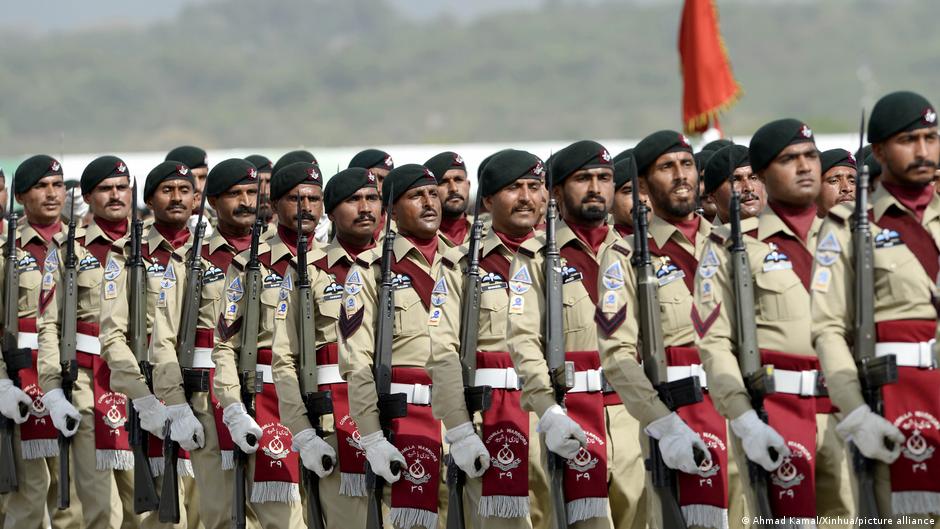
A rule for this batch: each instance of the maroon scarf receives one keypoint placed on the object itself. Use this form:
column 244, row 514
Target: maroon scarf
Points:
column 277, row 468
column 352, row 458
column 38, row 436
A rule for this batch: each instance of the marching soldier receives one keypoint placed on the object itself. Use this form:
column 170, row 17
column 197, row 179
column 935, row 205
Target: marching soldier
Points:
column 838, row 180
column 514, row 490
column 454, row 192
column 273, row 467
column 810, row 474
column 718, row 185
column 905, row 223
column 38, row 185
column 597, row 437
column 232, row 190
column 101, row 452
column 352, row 201
column 294, row 157
column 195, row 158
column 412, row 194
column 377, row 161
column 621, row 210
column 169, row 192
column 264, row 166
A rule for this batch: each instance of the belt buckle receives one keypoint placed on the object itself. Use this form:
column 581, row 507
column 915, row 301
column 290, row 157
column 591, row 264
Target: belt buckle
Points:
column 925, row 354
column 512, row 380
column 593, row 380
column 422, row 394
column 808, row 383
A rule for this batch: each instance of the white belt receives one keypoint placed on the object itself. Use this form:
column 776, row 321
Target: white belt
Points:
column 415, row 393
column 497, row 378
column 87, row 343
column 202, row 358
column 801, row 383
column 329, row 374
column 265, row 373
column 27, row 340
column 918, row 354
column 587, row 381
column 674, row 373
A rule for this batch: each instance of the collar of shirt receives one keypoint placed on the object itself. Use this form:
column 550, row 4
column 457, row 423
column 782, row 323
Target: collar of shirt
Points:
column 769, row 223
column 882, row 199
column 402, row 246
column 112, row 230
column 913, row 199
column 660, row 230
column 799, row 220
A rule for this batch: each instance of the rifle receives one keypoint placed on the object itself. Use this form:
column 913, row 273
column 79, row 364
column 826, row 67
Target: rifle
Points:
column 758, row 378
column 145, row 492
column 194, row 380
column 67, row 329
column 675, row 394
column 478, row 398
column 562, row 373
column 318, row 403
column 873, row 372
column 250, row 379
column 390, row 405
column 14, row 357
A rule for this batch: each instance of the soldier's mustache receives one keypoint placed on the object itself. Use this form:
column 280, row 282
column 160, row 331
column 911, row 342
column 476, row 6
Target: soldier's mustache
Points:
column 594, row 196
column 749, row 196
column 455, row 195
column 244, row 210
column 922, row 163
column 307, row 216
column 119, row 203
column 366, row 216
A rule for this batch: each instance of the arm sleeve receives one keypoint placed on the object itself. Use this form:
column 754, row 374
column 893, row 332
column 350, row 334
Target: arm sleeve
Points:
column 227, row 343
column 356, row 348
column 47, row 360
column 285, row 363
column 444, row 365
column 167, row 377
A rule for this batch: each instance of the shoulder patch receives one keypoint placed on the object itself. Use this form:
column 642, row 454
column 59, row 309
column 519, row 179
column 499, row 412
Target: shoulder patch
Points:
column 288, row 283
column 169, row 276
column 829, row 244
column 52, row 260
column 522, row 275
column 235, row 290
column 354, row 278
column 111, row 270
column 709, row 263
column 440, row 287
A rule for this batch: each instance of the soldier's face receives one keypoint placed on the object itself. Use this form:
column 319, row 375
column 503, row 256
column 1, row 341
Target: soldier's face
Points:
column 110, row 199
column 236, row 208
column 793, row 177
column 515, row 209
column 623, row 204
column 172, row 202
column 42, row 203
column 380, row 175
column 671, row 183
column 453, row 191
column 4, row 196
column 200, row 176
column 309, row 199
column 418, row 212
column 749, row 187
column 838, row 186
column 909, row 157
column 356, row 217
column 265, row 205
column 587, row 195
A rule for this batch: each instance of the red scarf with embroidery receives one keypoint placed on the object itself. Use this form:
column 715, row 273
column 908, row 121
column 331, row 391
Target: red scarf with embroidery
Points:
column 277, row 467
column 38, row 436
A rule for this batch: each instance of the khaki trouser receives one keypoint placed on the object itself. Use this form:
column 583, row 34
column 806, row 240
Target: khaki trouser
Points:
column 151, row 520
column 339, row 512
column 626, row 490
column 215, row 486
column 273, row 514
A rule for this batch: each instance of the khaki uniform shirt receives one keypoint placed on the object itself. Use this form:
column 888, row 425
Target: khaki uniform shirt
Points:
column 526, row 310
column 411, row 341
column 902, row 289
column 89, row 276
column 126, row 377
column 781, row 303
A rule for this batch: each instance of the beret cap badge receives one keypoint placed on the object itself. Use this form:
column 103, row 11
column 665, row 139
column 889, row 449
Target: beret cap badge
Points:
column 806, row 132
column 370, row 177
column 121, row 168
column 538, row 169
column 605, row 155
column 930, row 116
column 182, row 169
column 684, row 141
column 54, row 166
column 388, row 162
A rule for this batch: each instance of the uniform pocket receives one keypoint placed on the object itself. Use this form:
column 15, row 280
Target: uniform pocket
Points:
column 780, row 296
column 410, row 315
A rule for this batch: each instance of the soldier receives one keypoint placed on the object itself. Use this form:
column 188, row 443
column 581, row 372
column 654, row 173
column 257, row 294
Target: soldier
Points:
column 232, row 190
column 351, row 199
column 600, row 439
column 621, row 210
column 905, row 221
column 194, row 158
column 264, row 166
column 810, row 475
column 39, row 187
column 294, row 157
column 745, row 181
column 168, row 192
column 514, row 491
column 274, row 469
column 454, row 192
column 102, row 456
column 377, row 161
column 412, row 193
column 838, row 180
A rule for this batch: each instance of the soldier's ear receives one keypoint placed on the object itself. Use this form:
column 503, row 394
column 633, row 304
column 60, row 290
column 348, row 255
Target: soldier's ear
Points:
column 211, row 201
column 878, row 151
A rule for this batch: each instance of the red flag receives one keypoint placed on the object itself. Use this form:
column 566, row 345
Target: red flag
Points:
column 708, row 84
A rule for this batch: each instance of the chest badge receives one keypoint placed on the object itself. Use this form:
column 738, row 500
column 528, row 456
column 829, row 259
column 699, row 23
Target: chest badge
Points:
column 667, row 271
column 776, row 260
column 888, row 238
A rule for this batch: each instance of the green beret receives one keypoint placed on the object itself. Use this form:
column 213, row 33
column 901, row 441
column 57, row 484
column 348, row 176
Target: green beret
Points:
column 291, row 176
column 261, row 163
column 836, row 158
column 101, row 169
column 868, row 158
column 623, row 156
column 774, row 137
column 294, row 157
column 505, row 167
column 657, row 144
column 403, row 178
column 900, row 112
column 370, row 158
column 344, row 184
column 717, row 170
column 702, row 158
column 34, row 169
column 443, row 162
column 168, row 170
column 584, row 154
column 192, row 157
column 228, row 173
column 715, row 145
column 624, row 171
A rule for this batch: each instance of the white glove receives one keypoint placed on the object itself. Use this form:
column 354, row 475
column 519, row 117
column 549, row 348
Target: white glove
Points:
column 758, row 438
column 152, row 414
column 563, row 436
column 185, row 428
column 871, row 432
column 241, row 425
column 466, row 448
column 381, row 454
column 12, row 399
column 677, row 443
column 61, row 410
column 313, row 450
